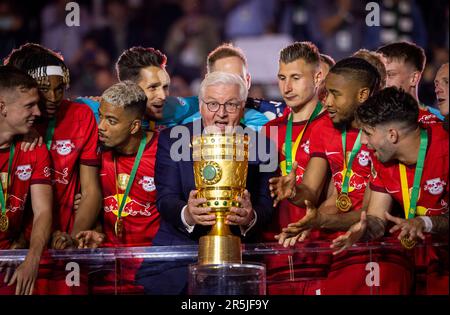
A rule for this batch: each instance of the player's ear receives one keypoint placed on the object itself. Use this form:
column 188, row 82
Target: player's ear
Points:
column 393, row 136
column 415, row 78
column 3, row 109
column 318, row 76
column 363, row 94
column 136, row 126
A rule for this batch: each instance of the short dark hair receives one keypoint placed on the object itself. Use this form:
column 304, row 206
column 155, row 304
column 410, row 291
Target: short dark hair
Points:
column 301, row 50
column 374, row 59
column 327, row 59
column 406, row 52
column 130, row 63
column 389, row 105
column 224, row 51
column 358, row 70
column 12, row 78
column 34, row 58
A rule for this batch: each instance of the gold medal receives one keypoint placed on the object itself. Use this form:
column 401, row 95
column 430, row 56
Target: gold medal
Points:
column 343, row 202
column 4, row 223
column 408, row 244
column 118, row 227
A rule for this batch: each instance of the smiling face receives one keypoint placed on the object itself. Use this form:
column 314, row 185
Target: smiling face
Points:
column 377, row 139
column 441, row 89
column 51, row 95
column 221, row 93
column 155, row 82
column 20, row 109
column 298, row 82
column 343, row 97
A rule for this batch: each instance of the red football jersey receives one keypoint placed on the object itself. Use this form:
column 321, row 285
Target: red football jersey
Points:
column 427, row 118
column 434, row 191
column 140, row 216
column 28, row 168
column 326, row 142
column 74, row 142
column 287, row 212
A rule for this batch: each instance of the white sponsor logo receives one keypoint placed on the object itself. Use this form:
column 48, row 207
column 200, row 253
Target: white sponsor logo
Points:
column 363, row 158
column 24, row 172
column 148, row 183
column 63, row 147
column 435, row 186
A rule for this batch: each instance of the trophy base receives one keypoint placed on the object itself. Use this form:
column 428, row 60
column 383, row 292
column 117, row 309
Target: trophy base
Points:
column 219, row 249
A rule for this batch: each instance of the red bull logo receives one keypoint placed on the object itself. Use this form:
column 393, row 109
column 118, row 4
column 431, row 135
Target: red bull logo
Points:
column 15, row 204
column 132, row 207
column 356, row 182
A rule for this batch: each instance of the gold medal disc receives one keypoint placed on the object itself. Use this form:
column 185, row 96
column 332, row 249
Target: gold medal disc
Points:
column 4, row 223
column 407, row 243
column 343, row 202
column 118, row 227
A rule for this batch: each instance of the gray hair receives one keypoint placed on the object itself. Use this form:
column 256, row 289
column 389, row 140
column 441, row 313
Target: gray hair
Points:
column 225, row 78
column 124, row 93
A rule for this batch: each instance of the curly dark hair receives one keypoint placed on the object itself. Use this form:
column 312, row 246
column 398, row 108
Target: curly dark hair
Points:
column 389, row 105
column 360, row 71
column 34, row 58
column 130, row 63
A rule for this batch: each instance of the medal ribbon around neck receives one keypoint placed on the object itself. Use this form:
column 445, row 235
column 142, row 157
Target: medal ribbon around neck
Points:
column 132, row 175
column 291, row 154
column 410, row 204
column 348, row 166
column 4, row 194
column 50, row 132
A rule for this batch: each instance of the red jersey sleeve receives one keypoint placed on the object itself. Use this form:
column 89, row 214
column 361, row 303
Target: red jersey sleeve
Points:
column 316, row 139
column 41, row 168
column 376, row 180
column 89, row 155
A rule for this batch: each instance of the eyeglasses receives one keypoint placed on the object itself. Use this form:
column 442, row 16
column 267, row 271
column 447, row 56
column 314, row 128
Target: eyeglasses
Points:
column 230, row 107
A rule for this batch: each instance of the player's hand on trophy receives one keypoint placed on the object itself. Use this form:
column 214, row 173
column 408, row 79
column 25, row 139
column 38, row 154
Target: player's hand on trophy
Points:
column 62, row 240
column 353, row 235
column 413, row 228
column 90, row 239
column 30, row 140
column 25, row 276
column 283, row 187
column 242, row 215
column 195, row 213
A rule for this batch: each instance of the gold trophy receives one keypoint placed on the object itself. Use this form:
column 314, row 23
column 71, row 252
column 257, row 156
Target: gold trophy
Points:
column 220, row 171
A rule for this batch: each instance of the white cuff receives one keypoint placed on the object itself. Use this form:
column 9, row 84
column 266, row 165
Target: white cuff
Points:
column 188, row 227
column 428, row 224
column 252, row 223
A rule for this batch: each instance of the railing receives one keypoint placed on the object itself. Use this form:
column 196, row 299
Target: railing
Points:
column 308, row 268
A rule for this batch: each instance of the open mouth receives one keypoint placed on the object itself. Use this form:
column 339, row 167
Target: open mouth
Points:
column 332, row 113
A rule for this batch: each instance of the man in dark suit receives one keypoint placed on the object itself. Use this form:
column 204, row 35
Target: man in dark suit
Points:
column 183, row 220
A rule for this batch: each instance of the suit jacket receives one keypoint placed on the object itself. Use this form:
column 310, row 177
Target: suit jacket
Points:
column 175, row 180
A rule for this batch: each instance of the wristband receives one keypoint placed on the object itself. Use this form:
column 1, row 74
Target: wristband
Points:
column 428, row 223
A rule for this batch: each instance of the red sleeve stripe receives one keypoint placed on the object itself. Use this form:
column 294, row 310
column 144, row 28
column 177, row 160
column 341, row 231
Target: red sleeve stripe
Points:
column 319, row 154
column 41, row 182
column 90, row 162
column 377, row 188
